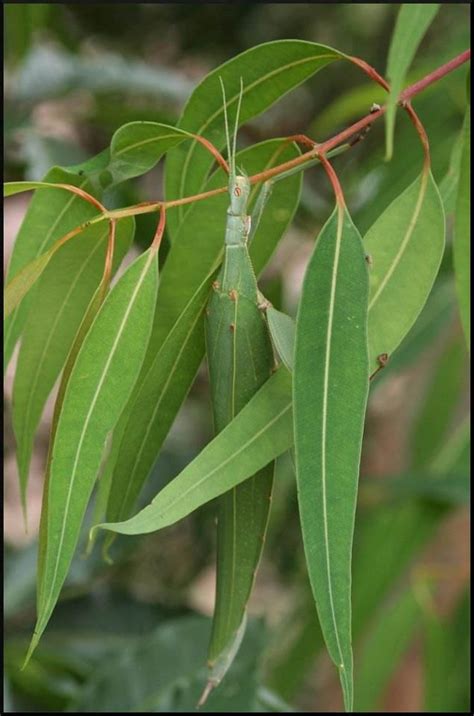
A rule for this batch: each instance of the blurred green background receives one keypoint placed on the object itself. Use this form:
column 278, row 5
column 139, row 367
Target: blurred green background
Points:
column 133, row 636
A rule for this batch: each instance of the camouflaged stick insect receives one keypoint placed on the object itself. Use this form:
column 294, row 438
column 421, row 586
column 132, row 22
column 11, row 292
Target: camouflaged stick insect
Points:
column 240, row 360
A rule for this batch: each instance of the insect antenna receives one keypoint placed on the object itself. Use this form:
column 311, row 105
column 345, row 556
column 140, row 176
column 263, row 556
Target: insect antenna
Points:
column 226, row 123
column 236, row 126
column 232, row 149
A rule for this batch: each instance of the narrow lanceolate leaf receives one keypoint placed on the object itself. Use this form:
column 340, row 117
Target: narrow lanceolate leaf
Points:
column 256, row 436
column 64, row 292
column 331, row 381
column 50, row 215
column 412, row 22
column 406, row 245
column 462, row 231
column 100, row 383
column 86, row 322
column 282, row 330
column 268, row 72
column 177, row 342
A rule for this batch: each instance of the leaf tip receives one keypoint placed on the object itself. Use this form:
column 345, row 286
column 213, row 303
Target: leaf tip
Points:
column 210, row 685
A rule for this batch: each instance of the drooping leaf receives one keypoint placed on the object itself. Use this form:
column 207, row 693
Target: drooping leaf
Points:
column 462, row 231
column 50, row 215
column 282, row 330
column 331, row 384
column 63, row 294
column 268, row 72
column 406, row 244
column 383, row 648
column 177, row 343
column 101, row 380
column 260, row 432
column 412, row 23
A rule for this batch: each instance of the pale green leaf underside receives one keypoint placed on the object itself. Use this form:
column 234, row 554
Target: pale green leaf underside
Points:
column 100, row 383
column 406, row 244
column 330, row 392
column 412, row 22
column 256, row 436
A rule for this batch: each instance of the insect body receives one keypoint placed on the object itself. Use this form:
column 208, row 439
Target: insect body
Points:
column 240, row 360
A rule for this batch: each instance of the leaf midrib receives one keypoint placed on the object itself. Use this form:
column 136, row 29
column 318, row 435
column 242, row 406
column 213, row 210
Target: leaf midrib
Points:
column 86, row 423
column 406, row 239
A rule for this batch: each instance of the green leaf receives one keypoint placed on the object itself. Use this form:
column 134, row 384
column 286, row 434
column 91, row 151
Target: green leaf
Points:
column 177, row 343
column 101, row 380
column 259, row 433
column 412, row 23
column 383, row 647
column 62, row 297
column 268, row 72
column 331, row 384
column 462, row 232
column 406, row 244
column 50, row 216
column 135, row 149
column 282, row 330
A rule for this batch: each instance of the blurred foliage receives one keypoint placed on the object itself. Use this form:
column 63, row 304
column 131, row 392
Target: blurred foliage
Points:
column 75, row 72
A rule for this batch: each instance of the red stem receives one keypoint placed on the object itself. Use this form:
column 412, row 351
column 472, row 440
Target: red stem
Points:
column 160, row 229
column 334, row 180
column 436, row 75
